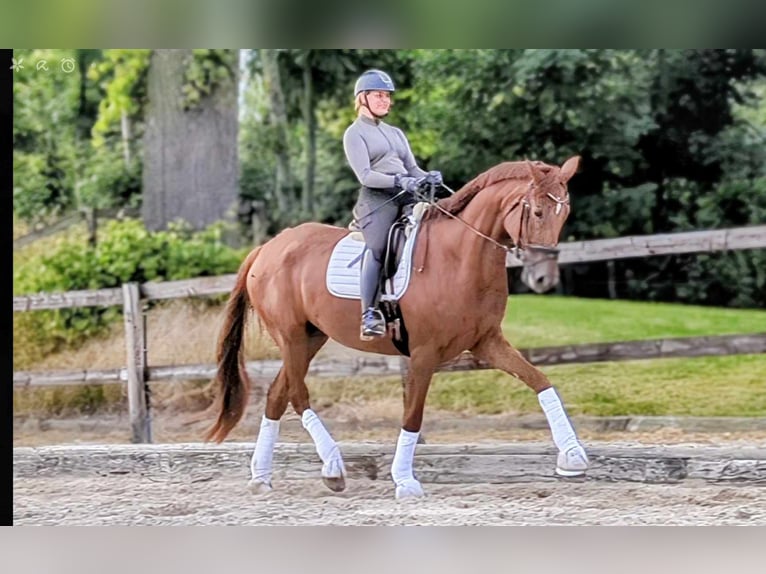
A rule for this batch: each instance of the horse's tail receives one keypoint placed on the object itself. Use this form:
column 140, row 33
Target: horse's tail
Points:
column 232, row 382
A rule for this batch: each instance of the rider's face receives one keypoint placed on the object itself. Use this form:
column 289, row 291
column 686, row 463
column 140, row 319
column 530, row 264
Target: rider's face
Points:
column 379, row 102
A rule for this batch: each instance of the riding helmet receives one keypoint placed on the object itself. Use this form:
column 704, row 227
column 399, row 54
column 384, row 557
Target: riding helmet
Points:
column 374, row 80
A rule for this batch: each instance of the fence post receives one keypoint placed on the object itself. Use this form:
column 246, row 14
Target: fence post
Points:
column 135, row 343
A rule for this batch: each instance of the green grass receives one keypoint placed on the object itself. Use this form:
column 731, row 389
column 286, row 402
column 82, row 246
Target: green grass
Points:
column 707, row 386
column 541, row 321
column 732, row 386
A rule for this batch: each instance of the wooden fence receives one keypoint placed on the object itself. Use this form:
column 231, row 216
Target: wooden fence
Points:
column 434, row 463
column 137, row 372
column 736, row 238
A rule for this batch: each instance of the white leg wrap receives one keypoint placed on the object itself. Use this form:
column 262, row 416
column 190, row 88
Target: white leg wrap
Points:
column 572, row 459
column 401, row 468
column 260, row 465
column 564, row 436
column 327, row 448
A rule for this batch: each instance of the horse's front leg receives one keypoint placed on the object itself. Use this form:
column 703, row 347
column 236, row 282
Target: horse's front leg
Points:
column 422, row 366
column 495, row 350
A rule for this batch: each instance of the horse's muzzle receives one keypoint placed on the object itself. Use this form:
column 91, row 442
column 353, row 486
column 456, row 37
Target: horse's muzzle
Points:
column 541, row 267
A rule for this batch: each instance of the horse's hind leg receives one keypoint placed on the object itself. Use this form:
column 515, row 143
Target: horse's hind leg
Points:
column 276, row 404
column 261, row 462
column 495, row 350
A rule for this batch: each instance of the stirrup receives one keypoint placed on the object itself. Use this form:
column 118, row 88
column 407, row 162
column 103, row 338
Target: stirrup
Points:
column 373, row 325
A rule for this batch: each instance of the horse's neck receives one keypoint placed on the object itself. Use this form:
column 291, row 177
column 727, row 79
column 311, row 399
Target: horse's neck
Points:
column 483, row 216
column 487, row 210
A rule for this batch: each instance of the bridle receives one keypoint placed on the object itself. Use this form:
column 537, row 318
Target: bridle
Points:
column 518, row 248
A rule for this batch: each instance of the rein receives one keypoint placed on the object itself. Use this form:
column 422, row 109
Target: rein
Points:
column 513, row 249
column 516, row 249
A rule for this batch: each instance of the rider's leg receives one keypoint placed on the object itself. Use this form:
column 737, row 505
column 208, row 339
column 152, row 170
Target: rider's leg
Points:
column 376, row 219
column 373, row 323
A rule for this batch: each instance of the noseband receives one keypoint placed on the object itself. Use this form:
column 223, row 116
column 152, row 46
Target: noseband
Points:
column 519, row 248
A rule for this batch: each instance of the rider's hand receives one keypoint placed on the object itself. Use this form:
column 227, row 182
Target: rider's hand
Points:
column 434, row 178
column 411, row 184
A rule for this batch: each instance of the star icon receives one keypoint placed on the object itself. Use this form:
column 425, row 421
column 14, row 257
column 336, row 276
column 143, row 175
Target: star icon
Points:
column 17, row 66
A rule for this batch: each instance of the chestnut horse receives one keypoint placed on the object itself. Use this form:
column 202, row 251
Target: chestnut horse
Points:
column 455, row 302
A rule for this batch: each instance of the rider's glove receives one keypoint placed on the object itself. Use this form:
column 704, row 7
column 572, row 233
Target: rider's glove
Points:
column 434, row 178
column 411, row 184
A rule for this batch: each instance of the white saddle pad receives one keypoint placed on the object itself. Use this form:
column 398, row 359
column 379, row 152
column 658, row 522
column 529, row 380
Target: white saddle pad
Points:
column 344, row 269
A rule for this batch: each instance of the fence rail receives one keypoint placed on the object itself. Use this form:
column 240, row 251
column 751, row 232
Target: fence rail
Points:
column 572, row 252
column 753, row 237
column 137, row 372
column 381, row 366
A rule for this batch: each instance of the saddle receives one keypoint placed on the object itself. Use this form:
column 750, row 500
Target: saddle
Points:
column 398, row 234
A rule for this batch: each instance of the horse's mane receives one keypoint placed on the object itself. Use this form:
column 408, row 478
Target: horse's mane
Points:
column 501, row 172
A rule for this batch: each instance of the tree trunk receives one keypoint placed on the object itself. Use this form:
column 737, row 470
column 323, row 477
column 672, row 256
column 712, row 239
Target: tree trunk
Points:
column 126, row 139
column 307, row 203
column 83, row 124
column 278, row 116
column 191, row 170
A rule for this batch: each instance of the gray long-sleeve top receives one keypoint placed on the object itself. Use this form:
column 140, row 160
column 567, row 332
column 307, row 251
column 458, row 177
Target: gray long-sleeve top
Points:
column 377, row 151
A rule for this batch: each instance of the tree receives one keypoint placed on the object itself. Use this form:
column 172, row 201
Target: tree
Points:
column 302, row 123
column 190, row 169
column 52, row 115
column 692, row 94
column 278, row 118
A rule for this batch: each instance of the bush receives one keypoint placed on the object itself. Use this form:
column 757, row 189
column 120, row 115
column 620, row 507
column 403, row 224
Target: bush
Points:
column 126, row 252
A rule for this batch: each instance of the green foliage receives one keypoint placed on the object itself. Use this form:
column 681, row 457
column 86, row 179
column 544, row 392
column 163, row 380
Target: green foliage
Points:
column 121, row 77
column 45, row 138
column 68, row 140
column 109, row 182
column 671, row 140
column 207, row 70
column 126, row 252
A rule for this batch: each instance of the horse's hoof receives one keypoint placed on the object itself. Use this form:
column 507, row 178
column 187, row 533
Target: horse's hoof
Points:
column 410, row 488
column 573, row 462
column 259, row 487
column 333, row 474
column 335, row 483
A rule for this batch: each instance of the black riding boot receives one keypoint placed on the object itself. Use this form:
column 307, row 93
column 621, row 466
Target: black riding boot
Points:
column 373, row 323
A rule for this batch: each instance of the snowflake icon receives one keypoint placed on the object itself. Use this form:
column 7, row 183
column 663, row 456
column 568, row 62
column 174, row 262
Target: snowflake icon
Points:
column 17, row 66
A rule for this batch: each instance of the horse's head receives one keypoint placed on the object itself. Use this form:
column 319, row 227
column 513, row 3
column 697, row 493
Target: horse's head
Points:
column 536, row 227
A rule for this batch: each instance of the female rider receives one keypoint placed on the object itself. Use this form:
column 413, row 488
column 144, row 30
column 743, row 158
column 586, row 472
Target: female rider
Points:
column 381, row 158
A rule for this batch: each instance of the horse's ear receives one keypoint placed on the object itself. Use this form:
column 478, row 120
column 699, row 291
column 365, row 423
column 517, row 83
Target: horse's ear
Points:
column 569, row 168
column 535, row 174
